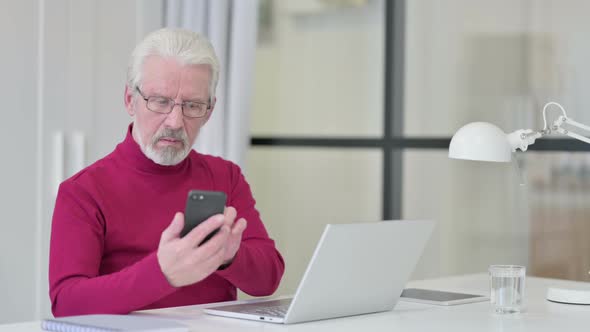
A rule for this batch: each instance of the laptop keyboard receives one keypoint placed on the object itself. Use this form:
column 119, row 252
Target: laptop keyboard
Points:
column 278, row 311
column 274, row 308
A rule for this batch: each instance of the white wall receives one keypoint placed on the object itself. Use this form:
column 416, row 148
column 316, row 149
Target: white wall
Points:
column 18, row 177
column 63, row 72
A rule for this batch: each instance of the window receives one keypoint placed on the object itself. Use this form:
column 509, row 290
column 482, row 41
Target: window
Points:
column 355, row 104
column 317, row 121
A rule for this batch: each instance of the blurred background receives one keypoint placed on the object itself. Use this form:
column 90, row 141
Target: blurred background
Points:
column 352, row 104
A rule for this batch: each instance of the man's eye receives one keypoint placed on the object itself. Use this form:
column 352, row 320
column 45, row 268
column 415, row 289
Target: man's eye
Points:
column 194, row 106
column 161, row 101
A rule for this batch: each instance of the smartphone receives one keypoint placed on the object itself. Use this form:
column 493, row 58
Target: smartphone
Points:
column 429, row 296
column 200, row 205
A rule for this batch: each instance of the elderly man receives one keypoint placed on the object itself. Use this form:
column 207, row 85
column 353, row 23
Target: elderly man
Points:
column 115, row 243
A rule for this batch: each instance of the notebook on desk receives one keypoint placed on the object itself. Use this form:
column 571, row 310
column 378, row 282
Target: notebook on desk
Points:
column 106, row 323
column 355, row 269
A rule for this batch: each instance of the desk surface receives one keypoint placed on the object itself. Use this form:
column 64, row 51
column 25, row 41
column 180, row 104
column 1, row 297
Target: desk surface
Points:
column 540, row 314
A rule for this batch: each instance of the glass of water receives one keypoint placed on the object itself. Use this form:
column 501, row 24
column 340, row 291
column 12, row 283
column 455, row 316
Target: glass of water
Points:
column 507, row 288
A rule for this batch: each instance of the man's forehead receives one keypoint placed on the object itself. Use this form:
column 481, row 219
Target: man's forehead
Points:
column 163, row 74
column 158, row 64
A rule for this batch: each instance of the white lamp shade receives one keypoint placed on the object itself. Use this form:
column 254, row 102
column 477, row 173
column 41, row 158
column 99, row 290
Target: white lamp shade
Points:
column 480, row 141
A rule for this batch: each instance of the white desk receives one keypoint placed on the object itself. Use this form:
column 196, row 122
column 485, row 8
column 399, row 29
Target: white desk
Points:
column 540, row 315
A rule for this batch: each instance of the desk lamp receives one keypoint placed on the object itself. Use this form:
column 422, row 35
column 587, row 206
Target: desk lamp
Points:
column 482, row 141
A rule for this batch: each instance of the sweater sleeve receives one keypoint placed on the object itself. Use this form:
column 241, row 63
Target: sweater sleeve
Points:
column 258, row 266
column 76, row 249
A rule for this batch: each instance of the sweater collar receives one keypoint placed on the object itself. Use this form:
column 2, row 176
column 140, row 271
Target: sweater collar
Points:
column 133, row 155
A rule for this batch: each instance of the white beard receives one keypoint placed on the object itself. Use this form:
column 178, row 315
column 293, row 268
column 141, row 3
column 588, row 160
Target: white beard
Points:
column 166, row 156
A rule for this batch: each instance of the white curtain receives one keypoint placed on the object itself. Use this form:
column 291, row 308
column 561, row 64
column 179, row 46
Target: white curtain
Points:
column 231, row 25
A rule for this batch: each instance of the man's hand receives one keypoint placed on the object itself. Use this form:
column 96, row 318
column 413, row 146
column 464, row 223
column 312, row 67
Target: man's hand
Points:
column 183, row 261
column 235, row 235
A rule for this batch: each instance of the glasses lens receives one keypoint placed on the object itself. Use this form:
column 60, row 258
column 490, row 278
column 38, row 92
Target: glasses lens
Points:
column 159, row 104
column 194, row 109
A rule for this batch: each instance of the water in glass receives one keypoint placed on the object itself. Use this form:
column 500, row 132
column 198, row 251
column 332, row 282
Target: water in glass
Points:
column 507, row 288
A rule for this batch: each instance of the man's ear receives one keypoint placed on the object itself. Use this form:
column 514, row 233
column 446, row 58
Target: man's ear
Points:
column 211, row 109
column 128, row 99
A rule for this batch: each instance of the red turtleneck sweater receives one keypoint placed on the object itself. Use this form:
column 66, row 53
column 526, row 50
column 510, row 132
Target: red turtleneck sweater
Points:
column 106, row 227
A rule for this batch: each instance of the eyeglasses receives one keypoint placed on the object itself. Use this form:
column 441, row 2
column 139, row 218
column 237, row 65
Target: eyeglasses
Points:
column 163, row 105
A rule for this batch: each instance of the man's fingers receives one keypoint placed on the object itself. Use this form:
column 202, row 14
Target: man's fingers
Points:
column 173, row 230
column 216, row 242
column 239, row 227
column 215, row 257
column 230, row 215
column 196, row 236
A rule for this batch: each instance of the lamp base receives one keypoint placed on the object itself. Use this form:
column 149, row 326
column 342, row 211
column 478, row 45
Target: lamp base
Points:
column 569, row 296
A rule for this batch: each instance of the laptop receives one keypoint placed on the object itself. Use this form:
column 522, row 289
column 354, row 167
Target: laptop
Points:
column 355, row 269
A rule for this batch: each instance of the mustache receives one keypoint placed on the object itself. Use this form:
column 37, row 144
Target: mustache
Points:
column 177, row 134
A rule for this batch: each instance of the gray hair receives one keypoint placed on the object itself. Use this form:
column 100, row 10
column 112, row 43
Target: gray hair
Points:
column 187, row 47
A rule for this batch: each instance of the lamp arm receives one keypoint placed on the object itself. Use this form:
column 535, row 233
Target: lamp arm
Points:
column 522, row 138
column 563, row 119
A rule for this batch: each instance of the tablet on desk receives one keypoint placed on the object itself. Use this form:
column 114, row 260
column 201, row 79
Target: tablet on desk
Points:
column 429, row 296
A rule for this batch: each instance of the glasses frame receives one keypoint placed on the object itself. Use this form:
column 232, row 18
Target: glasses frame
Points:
column 173, row 105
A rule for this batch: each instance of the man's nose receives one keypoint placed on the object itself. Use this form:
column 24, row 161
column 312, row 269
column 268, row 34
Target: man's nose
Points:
column 175, row 118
